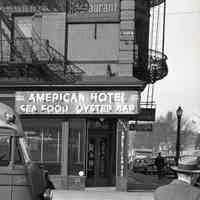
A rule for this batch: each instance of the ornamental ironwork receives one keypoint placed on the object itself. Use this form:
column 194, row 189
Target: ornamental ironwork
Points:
column 155, row 2
column 151, row 67
column 157, row 66
column 79, row 6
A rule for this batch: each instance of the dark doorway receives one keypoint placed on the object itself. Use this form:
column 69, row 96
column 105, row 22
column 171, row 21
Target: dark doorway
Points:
column 101, row 150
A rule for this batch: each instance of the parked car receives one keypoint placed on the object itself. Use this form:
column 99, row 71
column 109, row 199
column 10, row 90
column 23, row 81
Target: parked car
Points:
column 143, row 165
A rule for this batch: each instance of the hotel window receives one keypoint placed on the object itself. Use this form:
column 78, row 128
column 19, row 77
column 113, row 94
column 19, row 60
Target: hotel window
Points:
column 100, row 40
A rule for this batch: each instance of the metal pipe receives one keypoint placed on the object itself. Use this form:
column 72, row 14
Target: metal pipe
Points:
column 164, row 19
column 66, row 29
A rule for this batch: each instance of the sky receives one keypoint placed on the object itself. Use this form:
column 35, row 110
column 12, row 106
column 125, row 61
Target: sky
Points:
column 181, row 87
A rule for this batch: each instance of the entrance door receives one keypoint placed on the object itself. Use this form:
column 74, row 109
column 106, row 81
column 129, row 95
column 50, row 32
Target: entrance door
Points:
column 100, row 158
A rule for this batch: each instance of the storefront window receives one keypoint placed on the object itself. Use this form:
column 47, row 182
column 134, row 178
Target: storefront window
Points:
column 44, row 141
column 76, row 149
column 34, row 139
column 51, row 145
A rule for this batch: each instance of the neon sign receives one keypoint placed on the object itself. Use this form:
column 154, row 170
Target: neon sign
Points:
column 77, row 102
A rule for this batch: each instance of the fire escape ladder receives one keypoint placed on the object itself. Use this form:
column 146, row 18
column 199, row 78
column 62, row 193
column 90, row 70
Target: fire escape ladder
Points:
column 67, row 71
column 13, row 49
column 34, row 53
column 21, row 43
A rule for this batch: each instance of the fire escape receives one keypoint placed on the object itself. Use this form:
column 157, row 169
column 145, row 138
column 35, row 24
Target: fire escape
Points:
column 32, row 58
column 150, row 59
column 150, row 64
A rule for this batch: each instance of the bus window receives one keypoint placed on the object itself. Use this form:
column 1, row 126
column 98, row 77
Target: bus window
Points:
column 5, row 150
column 18, row 154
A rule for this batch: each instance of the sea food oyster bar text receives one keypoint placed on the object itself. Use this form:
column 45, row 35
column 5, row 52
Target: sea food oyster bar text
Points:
column 77, row 102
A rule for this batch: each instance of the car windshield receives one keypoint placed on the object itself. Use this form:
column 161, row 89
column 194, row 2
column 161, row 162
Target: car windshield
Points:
column 25, row 149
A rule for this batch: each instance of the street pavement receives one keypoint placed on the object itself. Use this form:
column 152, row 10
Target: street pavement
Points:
column 101, row 194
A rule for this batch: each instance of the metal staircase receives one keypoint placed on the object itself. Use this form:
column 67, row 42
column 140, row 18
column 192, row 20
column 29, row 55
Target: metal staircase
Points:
column 32, row 55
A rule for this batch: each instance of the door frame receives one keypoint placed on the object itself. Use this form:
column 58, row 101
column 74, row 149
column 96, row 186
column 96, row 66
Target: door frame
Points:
column 111, row 136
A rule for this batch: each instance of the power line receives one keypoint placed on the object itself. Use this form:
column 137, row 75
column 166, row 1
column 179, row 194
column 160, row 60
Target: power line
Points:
column 184, row 13
column 197, row 12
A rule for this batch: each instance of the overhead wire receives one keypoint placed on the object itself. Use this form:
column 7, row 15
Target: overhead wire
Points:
column 151, row 45
column 154, row 44
column 182, row 13
column 156, row 48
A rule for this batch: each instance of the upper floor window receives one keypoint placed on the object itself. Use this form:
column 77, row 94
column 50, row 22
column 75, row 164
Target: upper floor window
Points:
column 93, row 42
column 23, row 26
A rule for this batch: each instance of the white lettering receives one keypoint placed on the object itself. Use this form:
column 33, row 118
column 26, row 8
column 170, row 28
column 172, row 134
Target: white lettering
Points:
column 55, row 97
column 102, row 97
column 58, row 109
column 131, row 108
column 66, row 97
column 85, row 108
column 93, row 97
column 74, row 98
column 28, row 108
column 48, row 97
column 31, row 97
column 79, row 109
column 81, row 97
column 103, row 7
column 125, row 108
column 40, row 97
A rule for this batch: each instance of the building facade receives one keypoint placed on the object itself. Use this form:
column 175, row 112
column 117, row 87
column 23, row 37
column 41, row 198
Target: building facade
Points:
column 76, row 79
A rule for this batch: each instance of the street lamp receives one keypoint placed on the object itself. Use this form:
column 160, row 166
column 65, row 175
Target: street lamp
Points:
column 179, row 113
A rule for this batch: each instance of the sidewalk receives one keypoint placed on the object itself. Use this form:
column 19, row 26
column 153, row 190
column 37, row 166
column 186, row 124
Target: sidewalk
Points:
column 100, row 194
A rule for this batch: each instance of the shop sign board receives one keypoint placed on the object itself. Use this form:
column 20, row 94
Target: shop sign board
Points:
column 144, row 127
column 77, row 102
column 146, row 114
column 23, row 8
column 93, row 11
column 141, row 127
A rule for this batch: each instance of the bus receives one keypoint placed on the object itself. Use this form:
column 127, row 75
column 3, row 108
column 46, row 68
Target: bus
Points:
column 20, row 177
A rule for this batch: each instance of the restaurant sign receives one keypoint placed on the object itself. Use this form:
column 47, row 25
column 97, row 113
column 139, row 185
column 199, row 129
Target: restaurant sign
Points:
column 77, row 102
column 93, row 11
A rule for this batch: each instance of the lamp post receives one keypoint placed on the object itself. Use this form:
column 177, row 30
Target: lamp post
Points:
column 179, row 113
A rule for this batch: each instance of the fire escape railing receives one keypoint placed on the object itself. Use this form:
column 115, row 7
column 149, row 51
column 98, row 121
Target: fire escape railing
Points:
column 155, row 2
column 151, row 67
column 157, row 65
column 56, row 60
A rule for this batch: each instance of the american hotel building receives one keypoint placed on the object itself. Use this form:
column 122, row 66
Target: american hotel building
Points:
column 75, row 73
